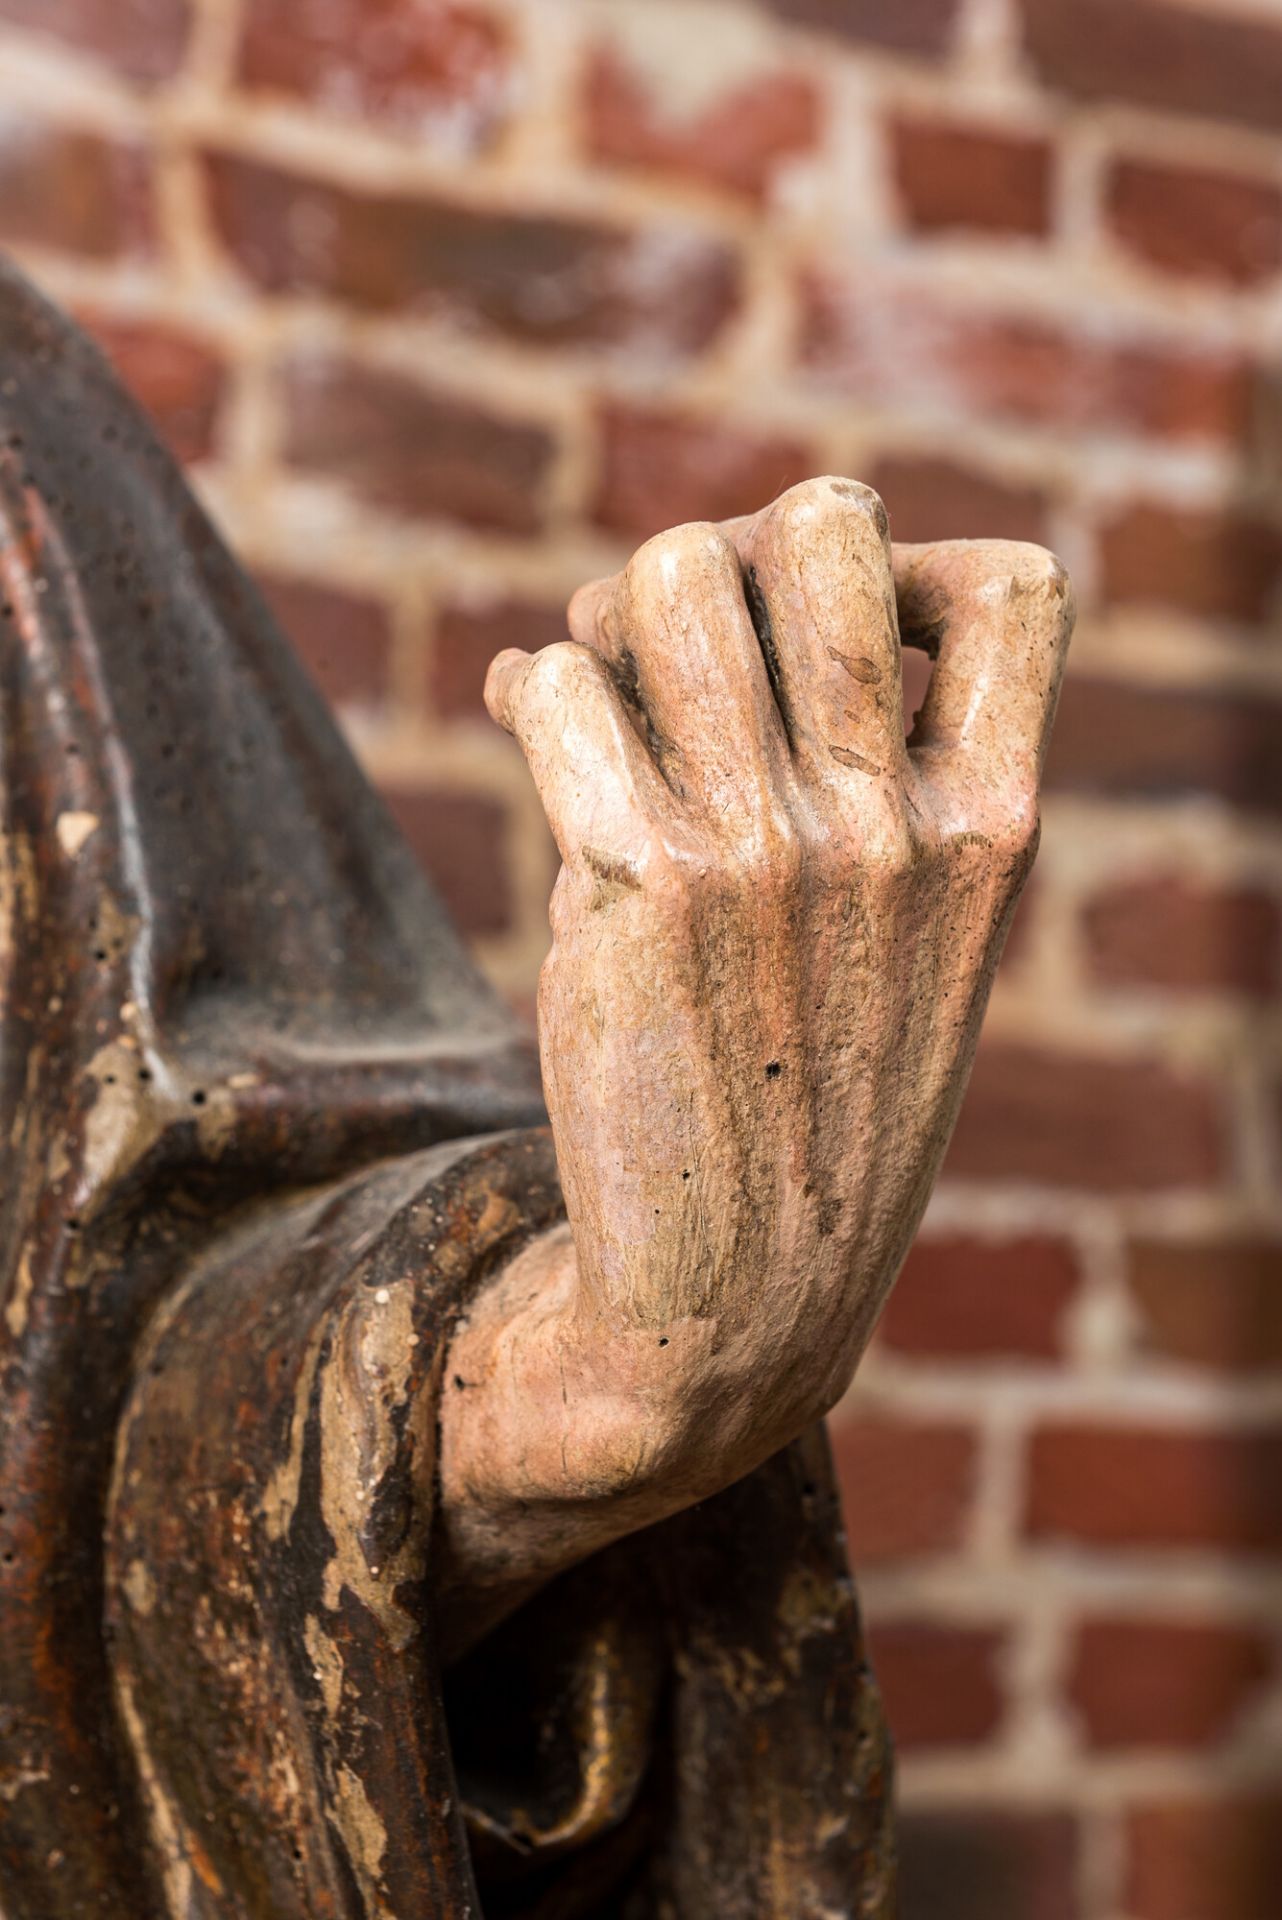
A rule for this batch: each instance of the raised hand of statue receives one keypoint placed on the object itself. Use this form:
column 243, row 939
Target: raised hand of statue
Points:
column 775, row 930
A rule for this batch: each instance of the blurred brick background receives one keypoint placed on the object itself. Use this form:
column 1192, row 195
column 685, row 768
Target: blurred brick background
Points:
column 448, row 303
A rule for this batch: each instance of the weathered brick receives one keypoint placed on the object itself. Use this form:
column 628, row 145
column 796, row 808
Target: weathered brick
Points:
column 1213, row 1304
column 915, row 671
column 908, row 1486
column 73, row 191
column 941, row 1684
column 953, row 174
column 181, row 382
column 1119, row 741
column 1077, row 1120
column 1224, row 63
column 1206, row 225
column 930, row 497
column 1148, row 1682
column 737, row 141
column 1121, row 1485
column 1167, row 931
column 659, row 469
column 542, row 280
column 1215, row 565
column 469, row 632
column 989, row 1864
column 913, row 26
column 898, row 342
column 144, row 40
column 461, row 841
column 1205, row 1859
column 434, row 68
column 414, row 449
column 962, row 1298
column 344, row 638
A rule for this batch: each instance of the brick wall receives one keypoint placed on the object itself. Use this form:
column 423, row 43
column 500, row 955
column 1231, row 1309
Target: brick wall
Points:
column 448, row 303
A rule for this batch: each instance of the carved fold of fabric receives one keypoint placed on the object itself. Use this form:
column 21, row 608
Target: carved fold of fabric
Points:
column 766, row 1790
column 269, row 1544
column 221, row 977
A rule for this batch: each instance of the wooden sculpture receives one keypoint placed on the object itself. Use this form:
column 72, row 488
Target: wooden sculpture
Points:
column 400, row 1517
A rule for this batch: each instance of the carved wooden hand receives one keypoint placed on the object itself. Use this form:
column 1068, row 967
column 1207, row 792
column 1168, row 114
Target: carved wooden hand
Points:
column 774, row 934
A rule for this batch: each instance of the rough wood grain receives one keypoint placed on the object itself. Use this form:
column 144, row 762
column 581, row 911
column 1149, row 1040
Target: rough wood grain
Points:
column 775, row 930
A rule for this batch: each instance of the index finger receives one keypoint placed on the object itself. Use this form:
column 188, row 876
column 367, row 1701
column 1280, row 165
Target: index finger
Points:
column 594, row 778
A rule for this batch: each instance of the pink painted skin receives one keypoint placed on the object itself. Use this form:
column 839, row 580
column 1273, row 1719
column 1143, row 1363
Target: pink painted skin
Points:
column 775, row 930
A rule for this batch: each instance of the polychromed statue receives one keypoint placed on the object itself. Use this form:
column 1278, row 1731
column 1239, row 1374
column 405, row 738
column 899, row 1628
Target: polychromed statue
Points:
column 410, row 1509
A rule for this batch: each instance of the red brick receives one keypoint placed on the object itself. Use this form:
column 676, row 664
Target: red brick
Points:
column 72, row 191
column 950, row 174
column 180, row 382
column 142, row 39
column 908, row 1486
column 344, row 638
column 1120, row 1485
column 468, row 635
column 915, row 670
column 1164, row 1683
column 982, row 1299
column 1225, row 566
column 1077, row 1120
column 460, row 840
column 738, row 141
column 432, row 68
column 1122, row 741
column 989, row 1864
column 933, row 498
column 1204, row 225
column 658, row 469
column 540, row 280
column 941, row 1684
column 412, row 448
column 1215, row 1304
column 1181, row 58
column 1167, row 931
column 887, row 342
column 913, row 26
column 1208, row 1859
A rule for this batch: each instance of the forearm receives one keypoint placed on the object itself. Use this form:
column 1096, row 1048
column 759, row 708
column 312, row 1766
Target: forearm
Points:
column 563, row 1430
column 548, row 1442
column 569, row 1422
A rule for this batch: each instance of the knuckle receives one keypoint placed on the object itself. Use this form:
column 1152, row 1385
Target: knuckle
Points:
column 831, row 500
column 763, row 870
column 664, row 564
column 1006, row 837
column 770, row 865
column 675, row 861
column 889, row 851
column 1020, row 826
column 1039, row 570
column 881, row 836
column 559, row 672
column 1027, row 574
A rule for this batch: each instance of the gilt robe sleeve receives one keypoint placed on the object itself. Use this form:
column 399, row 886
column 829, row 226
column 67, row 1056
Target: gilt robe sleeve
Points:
column 221, row 978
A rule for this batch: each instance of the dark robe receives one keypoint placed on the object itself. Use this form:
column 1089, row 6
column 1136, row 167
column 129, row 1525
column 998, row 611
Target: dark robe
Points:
column 264, row 1132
